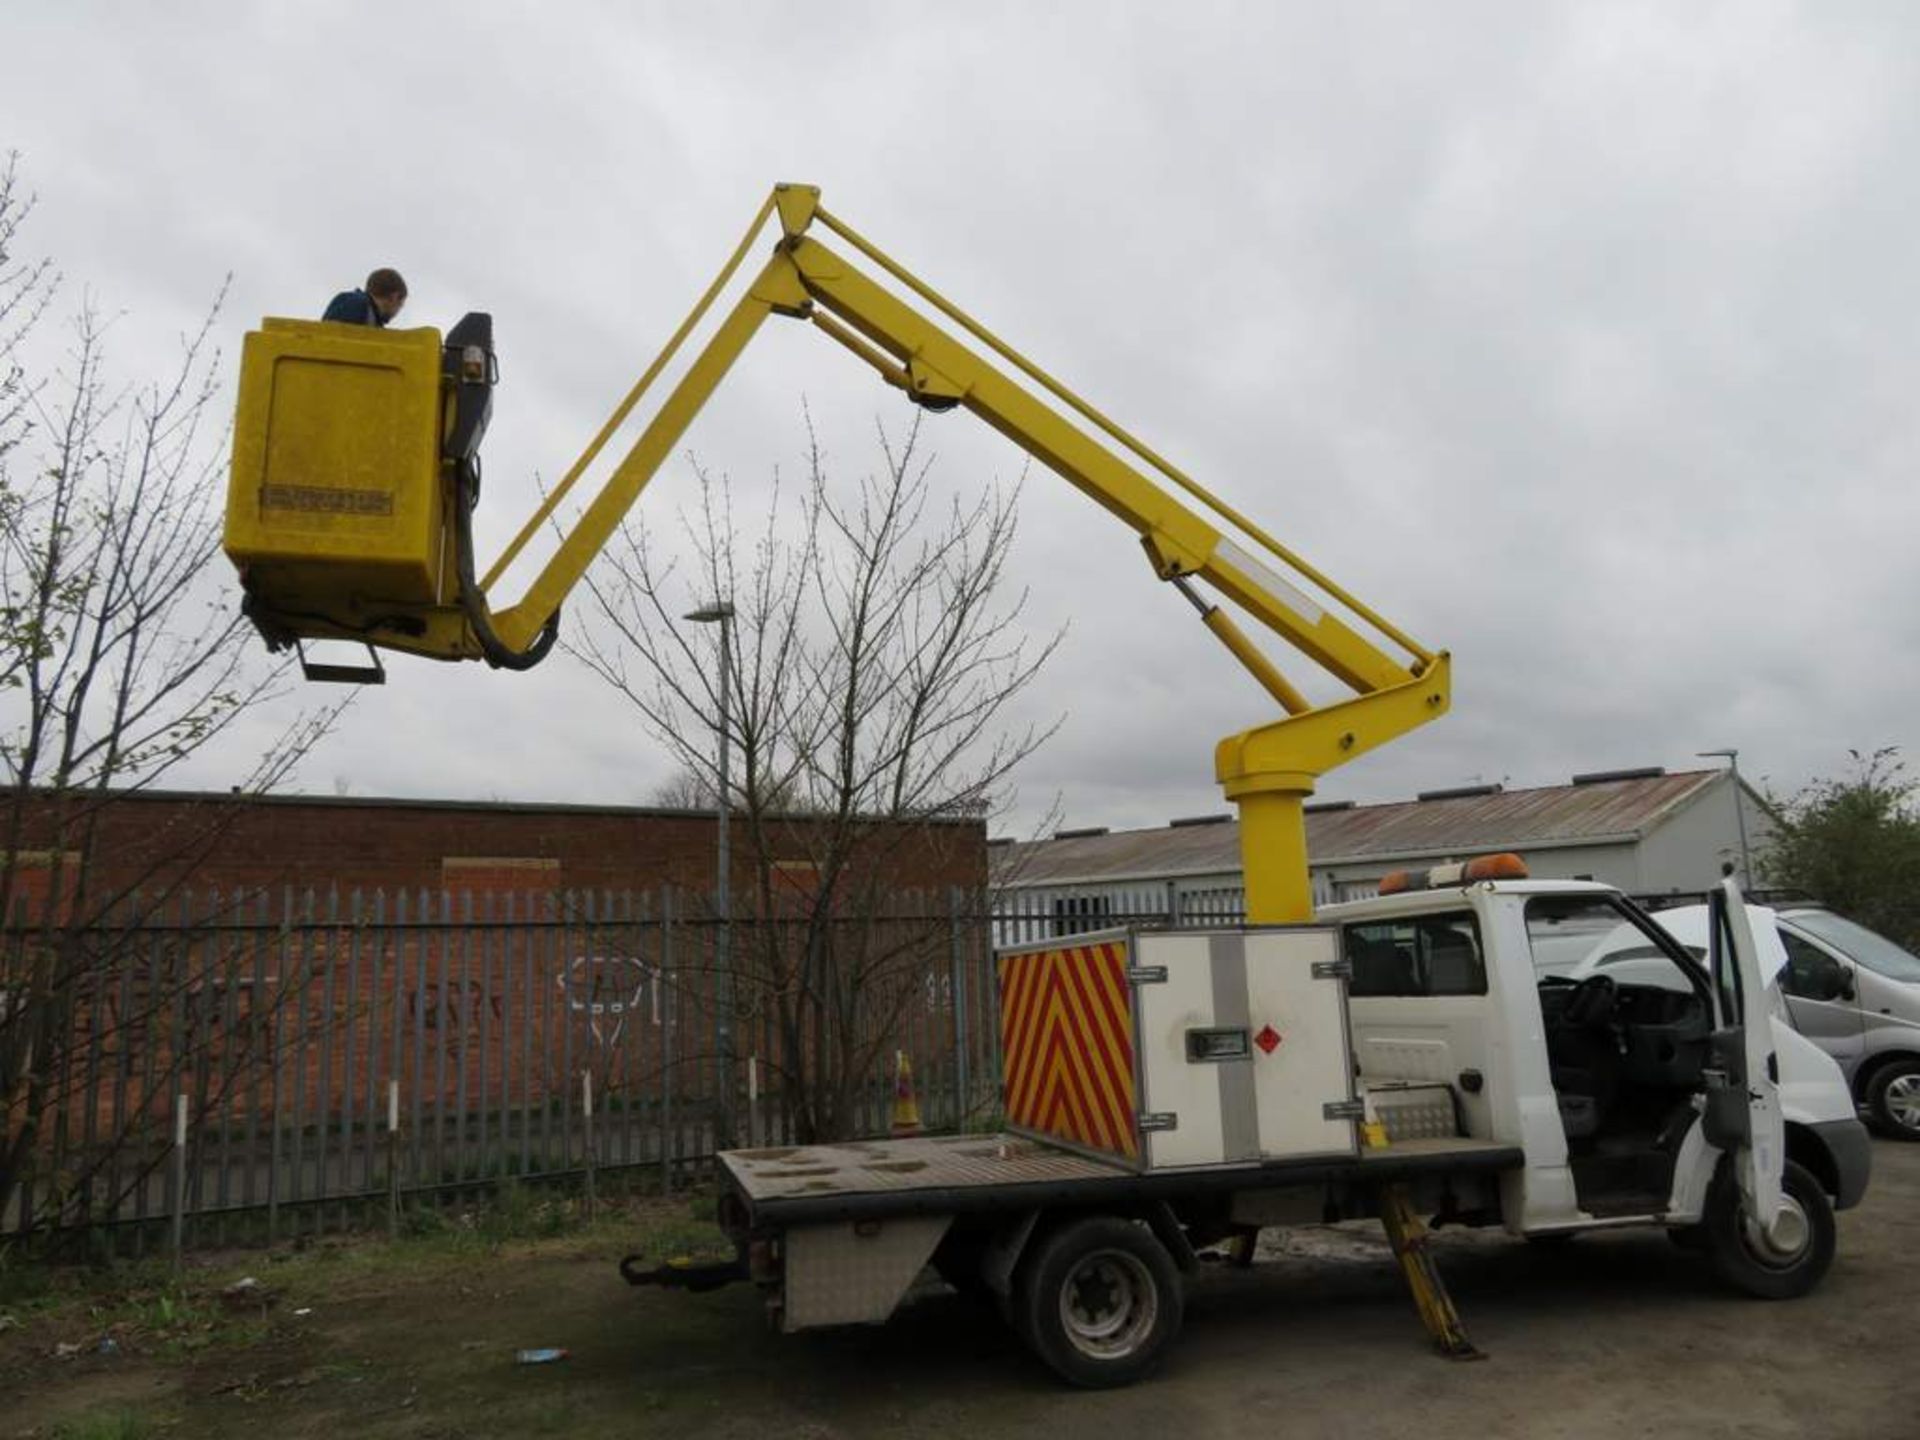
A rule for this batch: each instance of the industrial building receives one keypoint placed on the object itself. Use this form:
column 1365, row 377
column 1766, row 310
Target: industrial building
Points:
column 1646, row 831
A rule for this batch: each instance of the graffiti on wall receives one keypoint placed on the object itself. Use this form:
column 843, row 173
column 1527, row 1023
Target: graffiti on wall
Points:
column 610, row 990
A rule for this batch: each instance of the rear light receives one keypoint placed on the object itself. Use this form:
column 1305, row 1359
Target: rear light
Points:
column 473, row 364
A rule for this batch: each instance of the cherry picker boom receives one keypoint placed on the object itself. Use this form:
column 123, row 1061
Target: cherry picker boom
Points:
column 356, row 464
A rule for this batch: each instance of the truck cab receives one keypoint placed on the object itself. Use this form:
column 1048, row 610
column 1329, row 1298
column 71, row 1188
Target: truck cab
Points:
column 1614, row 1088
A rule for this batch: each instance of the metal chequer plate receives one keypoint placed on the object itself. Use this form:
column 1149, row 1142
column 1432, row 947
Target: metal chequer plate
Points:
column 854, row 1274
column 928, row 1163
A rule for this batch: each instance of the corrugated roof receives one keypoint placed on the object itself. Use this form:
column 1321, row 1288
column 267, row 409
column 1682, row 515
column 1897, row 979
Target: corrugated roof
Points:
column 1624, row 809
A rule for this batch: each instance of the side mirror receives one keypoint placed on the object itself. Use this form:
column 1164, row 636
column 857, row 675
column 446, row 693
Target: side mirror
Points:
column 1830, row 980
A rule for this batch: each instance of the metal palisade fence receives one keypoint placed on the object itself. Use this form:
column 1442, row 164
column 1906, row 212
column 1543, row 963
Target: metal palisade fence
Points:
column 1045, row 912
column 217, row 1069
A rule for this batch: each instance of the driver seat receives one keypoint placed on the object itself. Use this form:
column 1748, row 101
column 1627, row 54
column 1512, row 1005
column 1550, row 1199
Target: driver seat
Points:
column 1584, row 1066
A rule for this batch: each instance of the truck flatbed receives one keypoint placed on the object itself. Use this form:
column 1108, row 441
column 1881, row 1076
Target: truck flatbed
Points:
column 975, row 1174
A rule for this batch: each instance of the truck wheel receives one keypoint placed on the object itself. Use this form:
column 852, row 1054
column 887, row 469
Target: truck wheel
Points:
column 1893, row 1100
column 1099, row 1301
column 1751, row 1263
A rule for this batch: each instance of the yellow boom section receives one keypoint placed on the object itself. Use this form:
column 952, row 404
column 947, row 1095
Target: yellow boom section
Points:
column 332, row 455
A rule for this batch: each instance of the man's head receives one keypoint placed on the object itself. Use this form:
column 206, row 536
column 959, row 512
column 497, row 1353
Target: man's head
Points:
column 387, row 291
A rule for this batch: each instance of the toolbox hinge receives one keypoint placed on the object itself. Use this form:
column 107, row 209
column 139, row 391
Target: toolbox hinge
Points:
column 1152, row 1120
column 1333, row 969
column 1146, row 974
column 1344, row 1110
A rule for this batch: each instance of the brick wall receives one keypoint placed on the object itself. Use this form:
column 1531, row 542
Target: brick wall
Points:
column 231, row 842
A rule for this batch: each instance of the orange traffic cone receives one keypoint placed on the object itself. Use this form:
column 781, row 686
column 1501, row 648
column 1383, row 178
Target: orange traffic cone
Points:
column 906, row 1110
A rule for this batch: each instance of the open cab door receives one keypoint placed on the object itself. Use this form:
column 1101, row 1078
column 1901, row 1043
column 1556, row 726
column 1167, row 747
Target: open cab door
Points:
column 1742, row 1116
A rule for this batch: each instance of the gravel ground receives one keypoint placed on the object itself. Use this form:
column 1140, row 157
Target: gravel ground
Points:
column 1615, row 1335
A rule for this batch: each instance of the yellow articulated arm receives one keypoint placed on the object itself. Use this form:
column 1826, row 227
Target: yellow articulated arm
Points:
column 1268, row 771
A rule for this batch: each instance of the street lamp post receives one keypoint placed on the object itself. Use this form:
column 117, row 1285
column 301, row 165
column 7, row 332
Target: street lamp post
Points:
column 721, row 613
column 1732, row 757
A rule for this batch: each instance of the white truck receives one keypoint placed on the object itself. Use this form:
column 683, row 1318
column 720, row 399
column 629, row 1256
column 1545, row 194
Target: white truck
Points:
column 1409, row 1046
column 1164, row 1091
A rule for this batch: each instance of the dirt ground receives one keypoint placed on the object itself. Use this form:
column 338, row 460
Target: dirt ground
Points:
column 1612, row 1336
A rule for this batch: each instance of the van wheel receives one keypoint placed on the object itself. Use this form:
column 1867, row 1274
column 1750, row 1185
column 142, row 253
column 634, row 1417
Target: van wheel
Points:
column 1099, row 1301
column 1893, row 1100
column 1753, row 1264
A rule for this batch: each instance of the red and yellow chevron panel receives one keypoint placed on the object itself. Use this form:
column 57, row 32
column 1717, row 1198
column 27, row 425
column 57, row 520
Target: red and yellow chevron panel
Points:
column 1066, row 1045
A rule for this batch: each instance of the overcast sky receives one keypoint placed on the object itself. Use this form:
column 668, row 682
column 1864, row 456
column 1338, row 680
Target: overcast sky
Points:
column 1580, row 340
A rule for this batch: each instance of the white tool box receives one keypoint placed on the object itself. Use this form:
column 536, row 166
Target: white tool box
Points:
column 1181, row 1050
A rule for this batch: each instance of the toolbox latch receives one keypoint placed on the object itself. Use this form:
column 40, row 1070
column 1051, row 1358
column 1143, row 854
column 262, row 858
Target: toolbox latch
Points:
column 1333, row 969
column 1146, row 974
column 1344, row 1110
column 1154, row 1120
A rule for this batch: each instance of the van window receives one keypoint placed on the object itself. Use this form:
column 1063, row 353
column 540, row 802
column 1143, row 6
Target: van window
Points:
column 1809, row 969
column 1424, row 955
column 1859, row 944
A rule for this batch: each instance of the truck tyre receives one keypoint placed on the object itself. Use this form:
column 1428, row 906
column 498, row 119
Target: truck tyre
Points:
column 1754, row 1266
column 1893, row 1099
column 1099, row 1300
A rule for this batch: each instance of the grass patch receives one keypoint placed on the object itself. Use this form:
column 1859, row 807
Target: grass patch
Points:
column 105, row 1425
column 144, row 1308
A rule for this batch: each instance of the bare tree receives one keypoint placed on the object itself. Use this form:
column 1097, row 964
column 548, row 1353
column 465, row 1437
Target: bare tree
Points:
column 685, row 789
column 120, row 658
column 876, row 653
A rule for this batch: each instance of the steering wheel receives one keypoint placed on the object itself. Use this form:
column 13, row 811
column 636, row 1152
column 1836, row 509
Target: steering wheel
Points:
column 1591, row 1002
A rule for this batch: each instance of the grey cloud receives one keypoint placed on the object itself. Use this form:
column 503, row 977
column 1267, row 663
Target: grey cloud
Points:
column 1573, row 337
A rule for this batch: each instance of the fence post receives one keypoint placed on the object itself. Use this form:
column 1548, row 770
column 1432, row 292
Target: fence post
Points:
column 753, row 1101
column 962, row 1079
column 393, row 1159
column 669, row 1009
column 177, row 1244
column 586, row 1114
column 275, row 1036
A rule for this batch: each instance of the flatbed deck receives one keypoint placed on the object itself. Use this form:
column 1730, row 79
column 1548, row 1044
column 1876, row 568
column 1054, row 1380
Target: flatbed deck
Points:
column 971, row 1174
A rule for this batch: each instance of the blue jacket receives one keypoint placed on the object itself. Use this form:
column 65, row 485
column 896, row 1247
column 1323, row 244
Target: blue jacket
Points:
column 353, row 307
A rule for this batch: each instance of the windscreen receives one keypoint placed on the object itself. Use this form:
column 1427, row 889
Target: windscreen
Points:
column 1577, row 936
column 1856, row 941
column 1565, row 930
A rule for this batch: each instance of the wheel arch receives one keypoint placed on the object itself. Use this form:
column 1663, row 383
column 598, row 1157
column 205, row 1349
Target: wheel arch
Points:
column 1863, row 1077
column 1807, row 1150
column 1022, row 1235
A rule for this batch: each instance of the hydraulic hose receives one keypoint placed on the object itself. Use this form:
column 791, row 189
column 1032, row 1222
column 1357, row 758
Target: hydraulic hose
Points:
column 474, row 602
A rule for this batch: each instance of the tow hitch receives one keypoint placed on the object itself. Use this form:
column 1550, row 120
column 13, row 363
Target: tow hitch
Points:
column 683, row 1274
